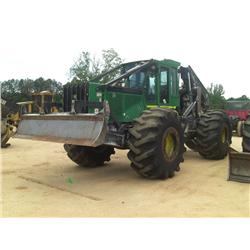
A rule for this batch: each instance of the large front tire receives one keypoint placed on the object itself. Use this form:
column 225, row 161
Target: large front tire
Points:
column 156, row 144
column 85, row 156
column 214, row 135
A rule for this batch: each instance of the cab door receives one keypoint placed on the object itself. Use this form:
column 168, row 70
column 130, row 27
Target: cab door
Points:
column 164, row 86
column 151, row 88
column 174, row 99
column 168, row 87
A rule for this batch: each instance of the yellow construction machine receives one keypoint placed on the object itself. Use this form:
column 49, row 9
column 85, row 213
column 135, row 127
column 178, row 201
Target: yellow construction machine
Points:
column 8, row 128
column 42, row 102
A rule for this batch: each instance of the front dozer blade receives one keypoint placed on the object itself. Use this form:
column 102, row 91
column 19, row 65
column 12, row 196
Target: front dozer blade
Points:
column 239, row 166
column 78, row 129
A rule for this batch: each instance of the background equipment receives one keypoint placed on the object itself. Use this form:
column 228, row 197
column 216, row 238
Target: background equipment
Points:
column 237, row 111
column 41, row 102
column 239, row 162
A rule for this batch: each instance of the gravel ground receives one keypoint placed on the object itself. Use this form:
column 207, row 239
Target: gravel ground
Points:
column 38, row 180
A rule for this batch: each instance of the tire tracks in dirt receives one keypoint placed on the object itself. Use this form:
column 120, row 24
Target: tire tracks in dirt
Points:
column 93, row 198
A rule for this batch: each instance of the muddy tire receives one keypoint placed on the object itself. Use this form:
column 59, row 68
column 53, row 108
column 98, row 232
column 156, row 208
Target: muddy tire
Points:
column 239, row 128
column 214, row 135
column 4, row 140
column 246, row 136
column 156, row 144
column 85, row 156
column 7, row 131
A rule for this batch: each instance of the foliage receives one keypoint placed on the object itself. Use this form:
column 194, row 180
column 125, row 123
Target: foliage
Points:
column 216, row 96
column 14, row 90
column 88, row 67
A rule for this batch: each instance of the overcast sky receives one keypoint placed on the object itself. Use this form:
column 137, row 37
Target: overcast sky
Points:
column 43, row 38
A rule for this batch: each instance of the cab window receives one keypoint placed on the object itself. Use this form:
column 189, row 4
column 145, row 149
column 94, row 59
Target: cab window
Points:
column 136, row 80
column 173, row 82
column 164, row 95
column 151, row 89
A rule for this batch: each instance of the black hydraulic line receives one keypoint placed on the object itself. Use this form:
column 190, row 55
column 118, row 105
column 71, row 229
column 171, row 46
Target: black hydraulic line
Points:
column 129, row 72
column 189, row 109
column 105, row 73
column 114, row 69
column 199, row 83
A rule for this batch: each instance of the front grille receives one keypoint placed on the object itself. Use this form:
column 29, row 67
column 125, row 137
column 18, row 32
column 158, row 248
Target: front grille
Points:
column 78, row 93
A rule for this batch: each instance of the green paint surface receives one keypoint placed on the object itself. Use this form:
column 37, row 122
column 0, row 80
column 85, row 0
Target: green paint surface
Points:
column 125, row 106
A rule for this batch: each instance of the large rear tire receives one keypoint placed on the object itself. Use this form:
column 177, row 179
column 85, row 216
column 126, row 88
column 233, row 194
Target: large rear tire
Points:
column 156, row 144
column 214, row 135
column 239, row 128
column 85, row 156
column 246, row 136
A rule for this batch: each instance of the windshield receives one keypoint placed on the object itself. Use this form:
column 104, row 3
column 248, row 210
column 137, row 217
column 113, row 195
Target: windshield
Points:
column 136, row 80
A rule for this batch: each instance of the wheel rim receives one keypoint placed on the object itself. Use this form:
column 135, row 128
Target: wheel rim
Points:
column 223, row 135
column 170, row 144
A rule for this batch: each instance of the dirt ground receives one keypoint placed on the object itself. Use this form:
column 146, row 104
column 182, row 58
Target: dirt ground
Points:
column 38, row 180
